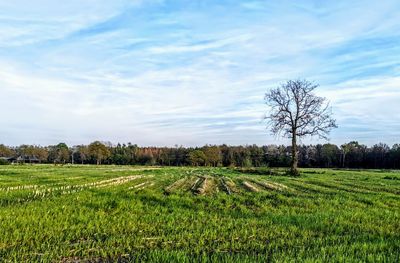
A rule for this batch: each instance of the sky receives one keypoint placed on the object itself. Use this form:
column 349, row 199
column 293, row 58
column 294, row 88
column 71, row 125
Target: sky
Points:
column 189, row 72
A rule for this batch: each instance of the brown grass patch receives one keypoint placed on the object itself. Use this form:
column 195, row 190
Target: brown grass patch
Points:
column 250, row 187
column 228, row 185
column 175, row 185
column 205, row 185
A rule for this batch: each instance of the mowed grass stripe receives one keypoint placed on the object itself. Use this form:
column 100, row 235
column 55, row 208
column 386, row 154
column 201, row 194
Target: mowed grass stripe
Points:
column 377, row 189
column 338, row 187
column 309, row 188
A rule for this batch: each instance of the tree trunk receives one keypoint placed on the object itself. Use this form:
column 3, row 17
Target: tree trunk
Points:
column 295, row 158
column 344, row 159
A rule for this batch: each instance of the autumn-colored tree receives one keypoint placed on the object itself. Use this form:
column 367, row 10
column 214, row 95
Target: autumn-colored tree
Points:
column 83, row 153
column 197, row 157
column 213, row 155
column 6, row 151
column 62, row 153
column 99, row 151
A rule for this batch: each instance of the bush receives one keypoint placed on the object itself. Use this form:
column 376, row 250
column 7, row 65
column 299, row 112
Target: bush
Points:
column 4, row 162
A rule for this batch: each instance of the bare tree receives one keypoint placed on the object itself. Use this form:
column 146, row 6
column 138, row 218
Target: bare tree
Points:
column 296, row 112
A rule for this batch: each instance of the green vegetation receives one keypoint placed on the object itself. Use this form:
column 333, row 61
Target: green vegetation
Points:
column 128, row 213
column 351, row 155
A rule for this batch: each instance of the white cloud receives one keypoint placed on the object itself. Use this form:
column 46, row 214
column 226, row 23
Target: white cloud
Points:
column 188, row 77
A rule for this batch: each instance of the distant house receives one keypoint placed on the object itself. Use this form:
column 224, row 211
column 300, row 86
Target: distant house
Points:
column 9, row 159
column 21, row 159
column 27, row 159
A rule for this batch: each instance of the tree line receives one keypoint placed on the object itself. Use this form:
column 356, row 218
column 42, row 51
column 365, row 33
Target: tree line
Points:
column 349, row 155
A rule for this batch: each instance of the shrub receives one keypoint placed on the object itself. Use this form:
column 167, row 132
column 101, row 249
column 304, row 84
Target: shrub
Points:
column 4, row 162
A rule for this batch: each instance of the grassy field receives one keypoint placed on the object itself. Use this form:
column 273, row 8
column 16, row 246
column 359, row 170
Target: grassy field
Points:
column 125, row 213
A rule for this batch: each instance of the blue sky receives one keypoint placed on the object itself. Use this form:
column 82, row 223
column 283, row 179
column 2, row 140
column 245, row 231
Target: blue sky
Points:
column 192, row 72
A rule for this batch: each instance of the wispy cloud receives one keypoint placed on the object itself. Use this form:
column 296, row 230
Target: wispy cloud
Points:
column 191, row 72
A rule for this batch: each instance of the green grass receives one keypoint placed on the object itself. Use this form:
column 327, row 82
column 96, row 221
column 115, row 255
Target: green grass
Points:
column 126, row 213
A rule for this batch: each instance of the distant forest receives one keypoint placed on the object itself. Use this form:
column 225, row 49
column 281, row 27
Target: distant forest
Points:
column 350, row 155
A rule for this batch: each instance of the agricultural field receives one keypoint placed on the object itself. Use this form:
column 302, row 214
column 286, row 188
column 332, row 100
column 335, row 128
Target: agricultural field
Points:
column 131, row 213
